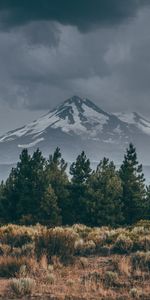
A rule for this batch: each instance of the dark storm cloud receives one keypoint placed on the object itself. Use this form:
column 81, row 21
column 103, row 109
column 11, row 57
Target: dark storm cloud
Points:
column 43, row 61
column 41, row 33
column 84, row 14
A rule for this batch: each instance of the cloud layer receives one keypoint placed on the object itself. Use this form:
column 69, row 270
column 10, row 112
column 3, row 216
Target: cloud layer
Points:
column 98, row 49
column 84, row 14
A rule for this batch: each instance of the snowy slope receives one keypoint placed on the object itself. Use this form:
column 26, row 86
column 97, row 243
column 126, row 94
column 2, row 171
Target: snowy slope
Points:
column 74, row 116
column 75, row 125
column 135, row 119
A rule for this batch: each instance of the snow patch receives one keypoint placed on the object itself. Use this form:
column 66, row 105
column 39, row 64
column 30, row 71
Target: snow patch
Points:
column 135, row 119
column 126, row 117
column 31, row 144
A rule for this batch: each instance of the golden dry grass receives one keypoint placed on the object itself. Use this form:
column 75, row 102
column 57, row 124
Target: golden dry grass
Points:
column 76, row 263
column 89, row 281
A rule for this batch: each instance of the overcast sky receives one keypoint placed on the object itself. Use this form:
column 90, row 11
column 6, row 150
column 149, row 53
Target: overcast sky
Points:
column 53, row 49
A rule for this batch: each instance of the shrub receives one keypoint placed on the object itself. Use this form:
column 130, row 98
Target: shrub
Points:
column 138, row 230
column 5, row 249
column 144, row 243
column 50, row 268
column 123, row 244
column 143, row 223
column 70, row 282
column 57, row 241
column 92, row 277
column 25, row 250
column 43, row 263
column 111, row 236
column 10, row 266
column 16, row 236
column 83, row 262
column 55, row 260
column 23, row 271
column 123, row 265
column 50, row 278
column 141, row 260
column 98, row 236
column 82, row 230
column 84, row 248
column 22, row 286
column 134, row 293
column 28, row 249
column 78, row 246
column 110, row 278
column 105, row 250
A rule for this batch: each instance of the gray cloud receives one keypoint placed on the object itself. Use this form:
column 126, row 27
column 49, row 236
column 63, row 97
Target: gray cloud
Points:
column 84, row 14
column 44, row 62
column 42, row 32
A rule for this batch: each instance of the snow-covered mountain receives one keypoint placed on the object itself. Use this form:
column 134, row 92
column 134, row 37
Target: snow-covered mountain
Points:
column 75, row 125
column 135, row 119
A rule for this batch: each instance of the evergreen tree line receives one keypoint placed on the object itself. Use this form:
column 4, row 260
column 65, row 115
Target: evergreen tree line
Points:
column 39, row 190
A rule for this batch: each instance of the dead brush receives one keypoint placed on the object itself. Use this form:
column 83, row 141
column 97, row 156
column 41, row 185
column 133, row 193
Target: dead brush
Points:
column 55, row 261
column 110, row 279
column 125, row 266
column 122, row 265
column 10, row 266
column 43, row 263
column 91, row 277
column 83, row 262
column 22, row 286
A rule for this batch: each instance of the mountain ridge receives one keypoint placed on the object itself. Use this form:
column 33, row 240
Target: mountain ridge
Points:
column 74, row 125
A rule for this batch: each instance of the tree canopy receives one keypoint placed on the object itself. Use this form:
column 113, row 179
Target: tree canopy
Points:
column 40, row 190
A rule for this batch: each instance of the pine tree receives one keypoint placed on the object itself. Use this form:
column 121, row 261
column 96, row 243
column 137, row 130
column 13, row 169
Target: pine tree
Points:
column 80, row 171
column 56, row 176
column 19, row 199
column 49, row 211
column 9, row 199
column 38, row 182
column 29, row 186
column 23, row 184
column 133, row 197
column 146, row 214
column 104, row 196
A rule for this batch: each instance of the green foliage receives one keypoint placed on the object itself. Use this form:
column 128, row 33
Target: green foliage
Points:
column 104, row 196
column 27, row 196
column 146, row 214
column 55, row 174
column 133, row 196
column 80, row 171
column 50, row 212
column 38, row 190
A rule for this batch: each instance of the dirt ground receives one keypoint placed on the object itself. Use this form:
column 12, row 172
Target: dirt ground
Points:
column 92, row 278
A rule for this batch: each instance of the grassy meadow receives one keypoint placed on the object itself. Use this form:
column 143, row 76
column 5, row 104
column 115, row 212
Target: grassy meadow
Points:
column 78, row 262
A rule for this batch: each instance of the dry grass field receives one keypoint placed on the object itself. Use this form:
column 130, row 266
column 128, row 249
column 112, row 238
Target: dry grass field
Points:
column 75, row 263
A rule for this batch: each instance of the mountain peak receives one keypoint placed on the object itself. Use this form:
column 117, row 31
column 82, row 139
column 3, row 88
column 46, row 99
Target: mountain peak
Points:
column 77, row 100
column 79, row 122
column 81, row 104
